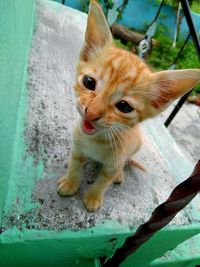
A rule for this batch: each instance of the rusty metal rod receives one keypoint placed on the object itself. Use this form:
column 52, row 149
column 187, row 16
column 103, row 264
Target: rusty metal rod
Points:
column 162, row 215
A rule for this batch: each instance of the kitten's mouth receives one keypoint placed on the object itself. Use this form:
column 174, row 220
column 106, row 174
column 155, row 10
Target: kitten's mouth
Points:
column 87, row 127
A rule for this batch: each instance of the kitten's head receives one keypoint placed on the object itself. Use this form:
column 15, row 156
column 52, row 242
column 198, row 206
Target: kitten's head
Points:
column 117, row 89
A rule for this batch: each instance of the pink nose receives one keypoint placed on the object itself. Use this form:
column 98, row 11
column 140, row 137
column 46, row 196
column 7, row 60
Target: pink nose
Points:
column 92, row 115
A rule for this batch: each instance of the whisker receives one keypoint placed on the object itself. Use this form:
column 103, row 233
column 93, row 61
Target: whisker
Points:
column 115, row 146
column 123, row 126
column 129, row 131
column 106, row 138
column 127, row 162
column 119, row 138
column 125, row 140
column 111, row 143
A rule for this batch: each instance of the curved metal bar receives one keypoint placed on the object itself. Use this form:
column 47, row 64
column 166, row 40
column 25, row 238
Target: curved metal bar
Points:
column 162, row 215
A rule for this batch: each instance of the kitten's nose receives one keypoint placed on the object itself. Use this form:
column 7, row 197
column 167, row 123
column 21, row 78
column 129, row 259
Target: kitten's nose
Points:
column 92, row 116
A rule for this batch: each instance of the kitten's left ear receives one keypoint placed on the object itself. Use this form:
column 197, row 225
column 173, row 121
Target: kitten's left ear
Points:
column 98, row 34
column 166, row 86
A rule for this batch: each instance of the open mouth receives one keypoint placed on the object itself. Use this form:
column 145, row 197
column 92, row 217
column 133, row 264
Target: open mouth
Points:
column 87, row 127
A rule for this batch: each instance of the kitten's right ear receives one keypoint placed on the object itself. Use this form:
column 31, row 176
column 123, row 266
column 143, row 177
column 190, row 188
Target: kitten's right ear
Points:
column 97, row 34
column 166, row 86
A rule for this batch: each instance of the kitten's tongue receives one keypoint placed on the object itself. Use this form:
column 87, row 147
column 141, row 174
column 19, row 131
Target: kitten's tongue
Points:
column 87, row 127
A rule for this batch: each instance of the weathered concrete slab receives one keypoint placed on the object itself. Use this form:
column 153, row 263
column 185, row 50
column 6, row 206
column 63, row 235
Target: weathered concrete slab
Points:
column 185, row 129
column 49, row 121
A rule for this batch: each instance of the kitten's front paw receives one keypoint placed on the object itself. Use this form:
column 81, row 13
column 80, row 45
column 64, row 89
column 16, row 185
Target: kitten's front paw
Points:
column 67, row 187
column 92, row 202
column 119, row 177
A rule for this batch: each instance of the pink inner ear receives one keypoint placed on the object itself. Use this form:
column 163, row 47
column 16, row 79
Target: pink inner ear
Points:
column 165, row 92
column 162, row 99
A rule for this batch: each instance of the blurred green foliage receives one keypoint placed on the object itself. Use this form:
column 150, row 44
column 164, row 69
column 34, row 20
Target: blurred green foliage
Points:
column 119, row 44
column 163, row 55
column 195, row 7
column 107, row 5
column 194, row 4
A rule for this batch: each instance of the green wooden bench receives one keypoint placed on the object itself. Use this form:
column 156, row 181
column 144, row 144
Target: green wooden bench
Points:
column 41, row 41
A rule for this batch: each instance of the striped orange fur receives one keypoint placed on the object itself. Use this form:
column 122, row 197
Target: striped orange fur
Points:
column 115, row 91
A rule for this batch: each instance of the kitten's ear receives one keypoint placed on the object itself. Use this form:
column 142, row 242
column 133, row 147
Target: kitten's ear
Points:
column 166, row 86
column 97, row 34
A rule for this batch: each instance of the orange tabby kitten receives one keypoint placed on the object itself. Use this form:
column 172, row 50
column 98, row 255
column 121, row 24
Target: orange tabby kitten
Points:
column 115, row 91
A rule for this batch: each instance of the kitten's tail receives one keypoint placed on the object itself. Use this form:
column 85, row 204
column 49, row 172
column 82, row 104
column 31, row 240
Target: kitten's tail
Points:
column 137, row 164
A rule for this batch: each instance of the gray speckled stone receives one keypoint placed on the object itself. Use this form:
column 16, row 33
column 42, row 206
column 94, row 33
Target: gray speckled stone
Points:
column 50, row 118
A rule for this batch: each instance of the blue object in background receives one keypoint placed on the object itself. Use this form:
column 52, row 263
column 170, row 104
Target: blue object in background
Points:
column 73, row 3
column 139, row 14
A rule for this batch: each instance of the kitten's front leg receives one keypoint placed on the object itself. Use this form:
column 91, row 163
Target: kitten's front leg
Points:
column 93, row 199
column 68, row 185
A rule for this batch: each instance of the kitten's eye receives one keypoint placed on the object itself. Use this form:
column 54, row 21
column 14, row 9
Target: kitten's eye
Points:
column 89, row 82
column 124, row 107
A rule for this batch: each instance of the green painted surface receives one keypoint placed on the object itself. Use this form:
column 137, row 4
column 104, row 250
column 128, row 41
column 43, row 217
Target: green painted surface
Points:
column 82, row 247
column 180, row 256
column 165, row 240
column 15, row 35
column 53, row 248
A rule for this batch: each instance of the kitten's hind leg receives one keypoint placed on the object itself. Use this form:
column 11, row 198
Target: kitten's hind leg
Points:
column 68, row 185
column 119, row 176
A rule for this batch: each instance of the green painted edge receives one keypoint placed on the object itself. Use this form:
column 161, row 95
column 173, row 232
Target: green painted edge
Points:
column 63, row 247
column 23, row 168
column 26, row 20
column 182, row 262
column 92, row 243
column 166, row 239
column 186, row 252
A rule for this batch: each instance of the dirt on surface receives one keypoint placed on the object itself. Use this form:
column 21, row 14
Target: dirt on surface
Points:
column 51, row 116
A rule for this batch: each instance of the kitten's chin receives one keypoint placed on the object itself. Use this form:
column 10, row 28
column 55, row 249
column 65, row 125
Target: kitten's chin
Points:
column 88, row 128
